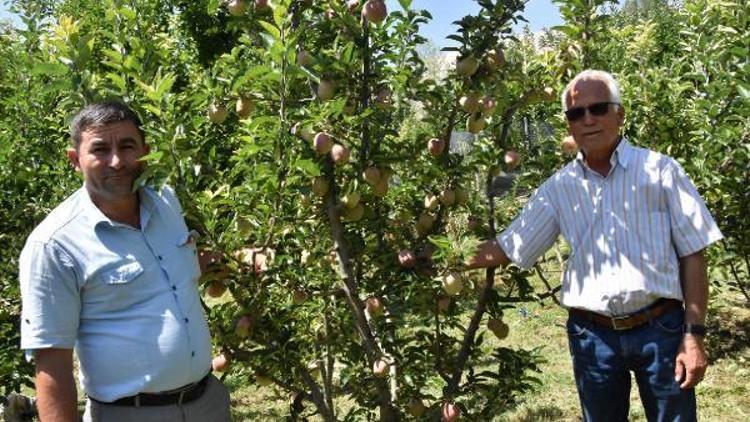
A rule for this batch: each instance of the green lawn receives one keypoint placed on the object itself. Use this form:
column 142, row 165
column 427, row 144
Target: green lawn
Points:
column 723, row 395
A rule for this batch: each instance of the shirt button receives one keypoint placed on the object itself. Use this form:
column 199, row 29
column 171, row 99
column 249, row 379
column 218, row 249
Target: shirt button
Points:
column 174, row 287
column 186, row 320
column 160, row 258
column 192, row 354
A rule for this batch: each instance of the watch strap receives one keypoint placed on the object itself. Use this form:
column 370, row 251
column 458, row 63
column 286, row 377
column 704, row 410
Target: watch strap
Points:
column 694, row 329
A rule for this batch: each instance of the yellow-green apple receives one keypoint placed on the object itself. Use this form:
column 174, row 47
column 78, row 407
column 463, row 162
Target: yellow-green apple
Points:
column 548, row 93
column 469, row 103
column 452, row 283
column 261, row 4
column 431, row 202
column 380, row 188
column 424, row 223
column 351, row 199
column 488, row 105
column 475, row 123
column 320, row 186
column 495, row 59
column 326, row 90
column 303, row 58
column 498, row 327
column 467, row 66
column 448, row 197
column 322, row 143
column 462, row 196
column 371, row 175
column 244, row 106
column 263, row 380
column 416, row 407
column 354, row 214
column 217, row 113
column 444, row 303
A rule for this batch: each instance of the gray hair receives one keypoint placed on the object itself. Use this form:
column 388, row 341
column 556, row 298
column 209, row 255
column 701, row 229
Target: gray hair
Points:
column 100, row 114
column 596, row 75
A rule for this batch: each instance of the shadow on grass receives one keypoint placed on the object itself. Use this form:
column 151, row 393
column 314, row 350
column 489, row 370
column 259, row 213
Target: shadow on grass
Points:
column 729, row 334
column 541, row 413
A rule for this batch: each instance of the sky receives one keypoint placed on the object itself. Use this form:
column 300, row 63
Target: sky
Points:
column 540, row 14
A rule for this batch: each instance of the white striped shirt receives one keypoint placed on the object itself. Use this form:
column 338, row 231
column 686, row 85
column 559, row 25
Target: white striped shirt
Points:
column 625, row 231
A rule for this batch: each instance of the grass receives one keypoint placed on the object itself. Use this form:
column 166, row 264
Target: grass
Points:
column 724, row 394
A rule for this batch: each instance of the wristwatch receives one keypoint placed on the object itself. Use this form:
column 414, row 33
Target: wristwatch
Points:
column 694, row 329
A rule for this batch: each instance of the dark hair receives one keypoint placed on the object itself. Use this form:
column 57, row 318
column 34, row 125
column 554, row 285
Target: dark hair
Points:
column 100, row 114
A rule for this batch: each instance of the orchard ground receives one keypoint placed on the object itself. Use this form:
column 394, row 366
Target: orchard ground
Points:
column 724, row 395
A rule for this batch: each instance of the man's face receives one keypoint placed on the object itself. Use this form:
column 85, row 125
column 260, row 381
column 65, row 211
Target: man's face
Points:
column 108, row 156
column 594, row 134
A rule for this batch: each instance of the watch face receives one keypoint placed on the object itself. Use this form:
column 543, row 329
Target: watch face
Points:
column 695, row 329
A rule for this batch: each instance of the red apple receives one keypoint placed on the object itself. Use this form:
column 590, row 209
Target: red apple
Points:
column 450, row 412
column 374, row 306
column 406, row 258
column 340, row 154
column 352, row 5
column 236, row 7
column 488, row 106
column 261, row 4
column 322, row 143
column 244, row 326
column 374, row 11
column 220, row 363
column 216, row 288
column 217, row 113
column 436, row 146
column 380, row 368
column 299, row 297
column 512, row 159
column 569, row 145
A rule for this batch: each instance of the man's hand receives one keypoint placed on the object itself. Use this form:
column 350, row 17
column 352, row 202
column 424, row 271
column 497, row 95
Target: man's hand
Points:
column 55, row 385
column 489, row 254
column 691, row 362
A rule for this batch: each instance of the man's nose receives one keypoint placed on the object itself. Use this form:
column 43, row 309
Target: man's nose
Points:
column 588, row 118
column 115, row 161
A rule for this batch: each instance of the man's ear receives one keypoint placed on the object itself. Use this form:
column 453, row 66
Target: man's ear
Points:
column 621, row 114
column 73, row 157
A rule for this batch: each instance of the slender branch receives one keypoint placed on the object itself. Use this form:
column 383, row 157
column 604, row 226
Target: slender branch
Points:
column 540, row 273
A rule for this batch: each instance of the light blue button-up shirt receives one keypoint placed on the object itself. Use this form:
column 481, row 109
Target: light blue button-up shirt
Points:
column 125, row 298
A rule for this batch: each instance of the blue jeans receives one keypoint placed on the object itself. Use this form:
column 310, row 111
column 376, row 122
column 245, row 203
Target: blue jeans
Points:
column 603, row 359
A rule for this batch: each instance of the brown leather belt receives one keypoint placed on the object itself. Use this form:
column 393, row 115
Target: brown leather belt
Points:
column 626, row 322
column 179, row 396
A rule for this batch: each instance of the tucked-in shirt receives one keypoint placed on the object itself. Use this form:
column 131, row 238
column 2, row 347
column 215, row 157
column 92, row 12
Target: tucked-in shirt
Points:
column 125, row 298
column 626, row 231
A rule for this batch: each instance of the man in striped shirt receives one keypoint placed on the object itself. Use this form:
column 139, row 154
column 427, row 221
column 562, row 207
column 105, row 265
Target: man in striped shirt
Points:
column 635, row 282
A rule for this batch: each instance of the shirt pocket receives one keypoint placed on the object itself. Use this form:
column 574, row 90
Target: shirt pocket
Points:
column 185, row 258
column 122, row 273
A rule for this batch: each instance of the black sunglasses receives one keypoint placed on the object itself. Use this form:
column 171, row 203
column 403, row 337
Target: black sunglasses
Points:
column 596, row 109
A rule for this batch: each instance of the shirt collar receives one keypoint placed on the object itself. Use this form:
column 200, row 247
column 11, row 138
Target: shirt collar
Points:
column 621, row 154
column 96, row 217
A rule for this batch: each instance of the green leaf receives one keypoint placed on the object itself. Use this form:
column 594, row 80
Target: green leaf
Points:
column 271, row 30
column 212, row 6
column 51, row 69
column 405, row 4
column 309, row 167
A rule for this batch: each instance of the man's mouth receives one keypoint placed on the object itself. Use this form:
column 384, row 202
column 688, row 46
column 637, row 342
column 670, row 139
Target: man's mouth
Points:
column 596, row 132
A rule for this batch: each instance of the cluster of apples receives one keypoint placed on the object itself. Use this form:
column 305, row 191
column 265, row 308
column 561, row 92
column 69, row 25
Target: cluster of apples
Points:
column 218, row 112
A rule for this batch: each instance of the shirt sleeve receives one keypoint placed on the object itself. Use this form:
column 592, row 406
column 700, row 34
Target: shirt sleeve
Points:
column 533, row 232
column 692, row 226
column 50, row 295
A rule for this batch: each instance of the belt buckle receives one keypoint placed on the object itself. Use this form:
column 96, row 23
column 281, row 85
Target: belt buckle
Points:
column 616, row 323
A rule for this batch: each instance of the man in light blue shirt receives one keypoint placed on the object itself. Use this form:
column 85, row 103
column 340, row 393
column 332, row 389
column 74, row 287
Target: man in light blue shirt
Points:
column 113, row 273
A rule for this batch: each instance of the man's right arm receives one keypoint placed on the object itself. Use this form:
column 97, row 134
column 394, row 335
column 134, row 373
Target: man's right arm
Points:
column 55, row 385
column 489, row 255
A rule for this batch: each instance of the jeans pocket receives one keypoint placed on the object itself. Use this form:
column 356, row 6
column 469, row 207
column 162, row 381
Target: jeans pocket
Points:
column 576, row 329
column 671, row 322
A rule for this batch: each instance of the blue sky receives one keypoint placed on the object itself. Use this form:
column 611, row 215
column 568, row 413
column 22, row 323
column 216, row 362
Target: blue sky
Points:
column 539, row 13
